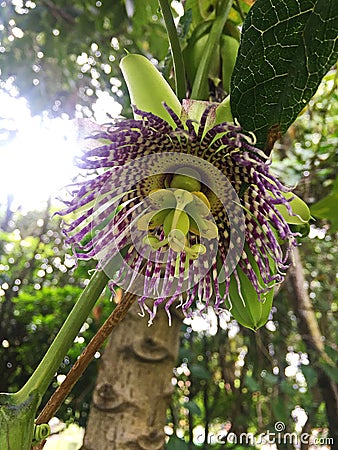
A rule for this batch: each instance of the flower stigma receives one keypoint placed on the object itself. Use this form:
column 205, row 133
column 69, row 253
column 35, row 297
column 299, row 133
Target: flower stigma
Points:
column 181, row 212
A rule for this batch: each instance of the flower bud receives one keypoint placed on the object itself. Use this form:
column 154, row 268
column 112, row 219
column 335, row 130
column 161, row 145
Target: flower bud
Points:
column 229, row 50
column 147, row 88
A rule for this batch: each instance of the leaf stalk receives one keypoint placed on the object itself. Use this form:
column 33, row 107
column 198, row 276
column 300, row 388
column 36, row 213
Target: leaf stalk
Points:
column 175, row 47
column 201, row 78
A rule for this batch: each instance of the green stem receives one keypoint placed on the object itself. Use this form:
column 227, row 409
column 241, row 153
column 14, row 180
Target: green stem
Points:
column 44, row 373
column 201, row 77
column 181, row 87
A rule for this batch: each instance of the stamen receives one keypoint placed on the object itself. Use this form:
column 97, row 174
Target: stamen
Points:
column 182, row 198
column 195, row 250
column 154, row 242
column 152, row 220
column 176, row 240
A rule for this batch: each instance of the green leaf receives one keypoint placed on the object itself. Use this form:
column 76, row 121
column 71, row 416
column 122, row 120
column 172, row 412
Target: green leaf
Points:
column 287, row 47
column 326, row 208
column 176, row 444
column 193, row 408
column 330, row 371
column 251, row 383
column 279, row 409
column 199, row 371
column 310, row 375
column 331, row 352
column 270, row 378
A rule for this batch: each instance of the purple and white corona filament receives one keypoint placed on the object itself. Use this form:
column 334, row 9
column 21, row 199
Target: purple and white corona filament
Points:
column 176, row 213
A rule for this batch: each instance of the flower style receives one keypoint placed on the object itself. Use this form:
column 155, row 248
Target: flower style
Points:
column 183, row 211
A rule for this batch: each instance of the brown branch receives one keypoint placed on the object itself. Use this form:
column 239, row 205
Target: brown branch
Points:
column 58, row 397
column 59, row 13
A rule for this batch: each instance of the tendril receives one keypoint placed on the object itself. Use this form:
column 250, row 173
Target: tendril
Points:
column 40, row 433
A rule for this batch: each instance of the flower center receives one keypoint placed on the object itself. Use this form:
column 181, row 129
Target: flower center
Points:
column 177, row 213
column 182, row 180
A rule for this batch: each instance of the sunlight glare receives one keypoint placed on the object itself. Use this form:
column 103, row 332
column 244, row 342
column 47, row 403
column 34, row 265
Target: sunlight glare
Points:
column 37, row 153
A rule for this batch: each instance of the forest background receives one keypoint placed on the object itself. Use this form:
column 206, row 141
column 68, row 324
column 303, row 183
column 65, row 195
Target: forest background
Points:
column 63, row 59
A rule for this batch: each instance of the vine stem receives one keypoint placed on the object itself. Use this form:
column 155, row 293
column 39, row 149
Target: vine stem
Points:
column 44, row 373
column 180, row 80
column 222, row 12
column 123, row 305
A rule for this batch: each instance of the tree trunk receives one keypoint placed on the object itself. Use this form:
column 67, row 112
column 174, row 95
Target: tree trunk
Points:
column 133, row 388
column 313, row 340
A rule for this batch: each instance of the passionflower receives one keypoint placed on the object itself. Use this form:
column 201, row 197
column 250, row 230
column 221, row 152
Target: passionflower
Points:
column 181, row 209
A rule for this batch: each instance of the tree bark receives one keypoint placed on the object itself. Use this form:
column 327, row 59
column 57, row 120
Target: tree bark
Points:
column 313, row 340
column 133, row 387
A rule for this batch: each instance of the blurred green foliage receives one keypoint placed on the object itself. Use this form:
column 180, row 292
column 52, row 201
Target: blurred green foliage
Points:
column 245, row 382
column 38, row 288
column 60, row 56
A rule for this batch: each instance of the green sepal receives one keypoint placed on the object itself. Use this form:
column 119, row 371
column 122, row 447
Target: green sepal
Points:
column 326, row 208
column 244, row 305
column 299, row 208
column 147, row 87
column 302, row 230
column 246, row 308
column 194, row 109
column 219, row 112
column 223, row 112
